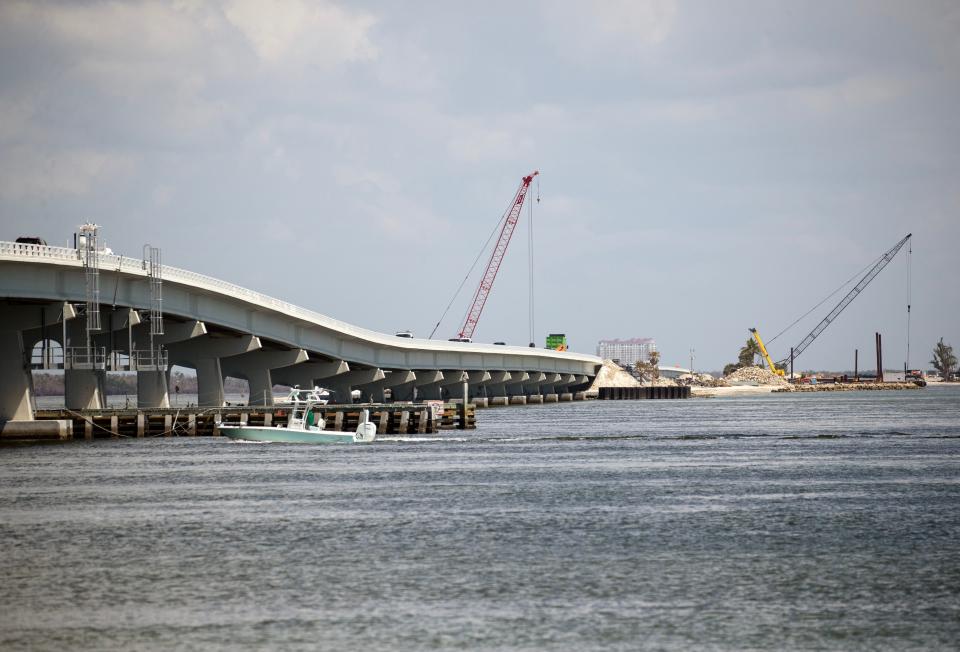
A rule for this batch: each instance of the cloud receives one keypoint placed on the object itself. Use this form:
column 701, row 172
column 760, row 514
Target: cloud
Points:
column 33, row 172
column 605, row 28
column 321, row 34
column 474, row 143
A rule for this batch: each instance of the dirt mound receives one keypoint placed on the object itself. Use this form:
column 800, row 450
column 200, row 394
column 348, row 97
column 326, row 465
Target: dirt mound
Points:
column 660, row 382
column 701, row 380
column 755, row 376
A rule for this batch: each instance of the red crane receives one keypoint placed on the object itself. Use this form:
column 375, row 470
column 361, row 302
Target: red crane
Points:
column 493, row 266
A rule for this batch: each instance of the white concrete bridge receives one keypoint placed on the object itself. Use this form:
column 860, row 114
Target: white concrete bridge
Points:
column 222, row 330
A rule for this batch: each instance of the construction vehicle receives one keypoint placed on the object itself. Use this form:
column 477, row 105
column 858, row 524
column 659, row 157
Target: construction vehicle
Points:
column 883, row 261
column 493, row 265
column 763, row 352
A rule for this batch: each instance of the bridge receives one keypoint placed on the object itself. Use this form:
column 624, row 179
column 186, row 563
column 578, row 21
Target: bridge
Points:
column 50, row 297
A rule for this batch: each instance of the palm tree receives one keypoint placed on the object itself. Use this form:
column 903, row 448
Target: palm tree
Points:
column 748, row 353
column 943, row 359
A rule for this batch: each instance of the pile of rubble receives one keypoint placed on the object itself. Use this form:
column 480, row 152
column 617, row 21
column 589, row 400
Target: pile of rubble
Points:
column 755, row 376
column 659, row 382
column 701, row 380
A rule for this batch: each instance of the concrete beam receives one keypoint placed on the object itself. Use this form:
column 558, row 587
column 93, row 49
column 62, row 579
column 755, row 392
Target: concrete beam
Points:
column 496, row 386
column 203, row 354
column 256, row 368
column 454, row 377
column 515, row 386
column 173, row 332
column 393, row 380
column 341, row 385
column 532, row 384
column 305, row 374
column 153, row 385
column 548, row 386
column 427, row 385
column 565, row 381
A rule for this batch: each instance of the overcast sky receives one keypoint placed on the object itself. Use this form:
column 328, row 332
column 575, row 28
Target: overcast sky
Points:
column 706, row 167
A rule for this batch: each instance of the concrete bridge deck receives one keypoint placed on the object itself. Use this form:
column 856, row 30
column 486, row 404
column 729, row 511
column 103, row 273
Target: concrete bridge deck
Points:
column 221, row 329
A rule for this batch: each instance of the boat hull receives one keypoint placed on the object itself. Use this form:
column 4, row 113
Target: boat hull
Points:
column 283, row 435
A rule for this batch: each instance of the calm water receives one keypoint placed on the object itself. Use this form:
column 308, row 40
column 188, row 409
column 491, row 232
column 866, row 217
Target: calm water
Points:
column 775, row 522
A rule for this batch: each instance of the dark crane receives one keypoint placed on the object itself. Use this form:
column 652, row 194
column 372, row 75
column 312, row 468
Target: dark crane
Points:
column 851, row 295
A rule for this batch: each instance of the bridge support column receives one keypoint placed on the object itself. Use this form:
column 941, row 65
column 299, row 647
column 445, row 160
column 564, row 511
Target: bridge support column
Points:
column 153, row 383
column 451, row 387
column 306, row 374
column 152, row 389
column 256, row 366
column 532, row 385
column 404, row 392
column 516, row 385
column 549, row 384
column 84, row 388
column 476, row 381
column 427, row 385
column 203, row 354
column 562, row 386
column 341, row 385
column 496, row 387
column 16, row 381
column 376, row 391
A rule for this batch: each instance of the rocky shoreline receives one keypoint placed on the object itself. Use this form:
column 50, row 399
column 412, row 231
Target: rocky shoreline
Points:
column 847, row 387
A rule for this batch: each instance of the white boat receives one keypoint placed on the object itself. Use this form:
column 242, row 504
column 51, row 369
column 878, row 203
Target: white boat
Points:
column 303, row 427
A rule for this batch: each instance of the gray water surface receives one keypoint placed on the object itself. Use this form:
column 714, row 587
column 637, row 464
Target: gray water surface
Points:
column 825, row 521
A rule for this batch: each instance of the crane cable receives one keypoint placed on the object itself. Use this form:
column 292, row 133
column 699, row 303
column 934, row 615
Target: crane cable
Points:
column 906, row 364
column 469, row 272
column 530, row 266
column 825, row 299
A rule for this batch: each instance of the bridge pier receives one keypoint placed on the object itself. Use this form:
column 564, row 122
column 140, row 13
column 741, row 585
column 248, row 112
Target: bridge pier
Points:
column 153, row 389
column 549, row 385
column 85, row 389
column 532, row 386
column 517, row 381
column 16, row 381
column 256, row 366
column 153, row 380
column 376, row 391
column 496, row 386
column 451, row 386
column 203, row 354
column 427, row 385
column 84, row 384
column 341, row 385
column 306, row 374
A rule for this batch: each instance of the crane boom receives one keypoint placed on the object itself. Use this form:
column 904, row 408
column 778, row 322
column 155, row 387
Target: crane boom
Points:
column 496, row 257
column 763, row 351
column 857, row 289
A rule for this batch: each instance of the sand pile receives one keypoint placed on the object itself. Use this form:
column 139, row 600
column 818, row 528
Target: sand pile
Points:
column 755, row 376
column 613, row 375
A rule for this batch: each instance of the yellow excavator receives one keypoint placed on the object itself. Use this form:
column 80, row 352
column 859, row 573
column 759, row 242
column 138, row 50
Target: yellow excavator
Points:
column 766, row 356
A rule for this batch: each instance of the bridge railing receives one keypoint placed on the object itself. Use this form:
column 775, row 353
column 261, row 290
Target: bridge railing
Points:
column 114, row 262
column 126, row 264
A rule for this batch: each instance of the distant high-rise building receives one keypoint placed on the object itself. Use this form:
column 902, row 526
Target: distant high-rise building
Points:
column 628, row 352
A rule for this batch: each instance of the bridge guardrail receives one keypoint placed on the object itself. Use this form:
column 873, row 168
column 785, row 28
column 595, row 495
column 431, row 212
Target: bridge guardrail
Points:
column 129, row 265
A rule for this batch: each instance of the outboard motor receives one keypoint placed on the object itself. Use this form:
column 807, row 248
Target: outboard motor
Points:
column 366, row 431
